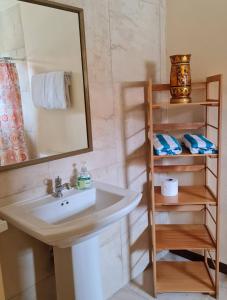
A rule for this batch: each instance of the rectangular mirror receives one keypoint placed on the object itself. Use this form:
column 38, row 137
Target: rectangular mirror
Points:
column 44, row 96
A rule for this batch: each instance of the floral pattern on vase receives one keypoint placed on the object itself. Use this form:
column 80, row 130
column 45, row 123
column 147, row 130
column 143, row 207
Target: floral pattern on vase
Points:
column 13, row 148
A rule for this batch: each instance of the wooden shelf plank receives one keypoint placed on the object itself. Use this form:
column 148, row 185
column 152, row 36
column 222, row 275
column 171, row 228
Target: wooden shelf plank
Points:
column 185, row 153
column 178, row 168
column 212, row 100
column 183, row 236
column 179, row 208
column 187, row 195
column 160, row 87
column 171, row 105
column 187, row 277
column 166, row 127
column 165, row 86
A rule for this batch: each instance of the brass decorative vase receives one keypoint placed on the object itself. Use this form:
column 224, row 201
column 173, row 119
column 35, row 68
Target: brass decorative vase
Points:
column 180, row 78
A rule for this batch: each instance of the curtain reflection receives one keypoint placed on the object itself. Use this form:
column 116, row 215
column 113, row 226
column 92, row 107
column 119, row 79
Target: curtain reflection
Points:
column 13, row 147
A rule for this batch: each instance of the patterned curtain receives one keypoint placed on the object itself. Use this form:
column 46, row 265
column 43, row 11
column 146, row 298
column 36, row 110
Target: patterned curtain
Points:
column 13, row 147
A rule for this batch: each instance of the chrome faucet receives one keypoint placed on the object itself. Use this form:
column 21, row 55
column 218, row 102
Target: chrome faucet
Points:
column 59, row 187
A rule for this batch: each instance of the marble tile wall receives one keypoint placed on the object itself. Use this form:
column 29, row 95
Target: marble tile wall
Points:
column 125, row 42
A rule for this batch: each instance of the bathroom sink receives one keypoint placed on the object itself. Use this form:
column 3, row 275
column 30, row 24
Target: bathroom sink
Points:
column 73, row 218
column 71, row 225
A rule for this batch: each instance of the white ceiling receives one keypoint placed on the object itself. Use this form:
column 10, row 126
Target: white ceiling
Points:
column 5, row 4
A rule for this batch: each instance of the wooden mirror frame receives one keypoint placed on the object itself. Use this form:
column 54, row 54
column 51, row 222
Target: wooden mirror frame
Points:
column 80, row 13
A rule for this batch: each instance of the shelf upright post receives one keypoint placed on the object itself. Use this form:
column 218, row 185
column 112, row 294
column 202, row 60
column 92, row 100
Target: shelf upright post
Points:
column 209, row 80
column 151, row 181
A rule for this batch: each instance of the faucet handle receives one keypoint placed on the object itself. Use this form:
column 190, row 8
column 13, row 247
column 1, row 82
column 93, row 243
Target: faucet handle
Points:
column 58, row 181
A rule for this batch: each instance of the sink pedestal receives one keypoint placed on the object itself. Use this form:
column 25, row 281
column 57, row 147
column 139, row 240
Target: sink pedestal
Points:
column 77, row 271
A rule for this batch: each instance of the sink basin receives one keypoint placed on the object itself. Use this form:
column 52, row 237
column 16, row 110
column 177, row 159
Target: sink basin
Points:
column 71, row 225
column 76, row 204
column 65, row 221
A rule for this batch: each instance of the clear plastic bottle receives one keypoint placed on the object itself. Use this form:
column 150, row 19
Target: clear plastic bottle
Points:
column 84, row 180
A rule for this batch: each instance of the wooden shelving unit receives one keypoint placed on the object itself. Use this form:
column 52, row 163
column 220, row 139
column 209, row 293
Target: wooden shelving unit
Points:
column 172, row 276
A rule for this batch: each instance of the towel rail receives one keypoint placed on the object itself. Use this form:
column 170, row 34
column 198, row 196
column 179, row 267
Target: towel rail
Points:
column 8, row 58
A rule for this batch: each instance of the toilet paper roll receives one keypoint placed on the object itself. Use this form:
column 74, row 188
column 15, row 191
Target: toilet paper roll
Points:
column 169, row 187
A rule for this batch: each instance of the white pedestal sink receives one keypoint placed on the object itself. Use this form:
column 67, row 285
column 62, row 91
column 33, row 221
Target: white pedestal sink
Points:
column 71, row 225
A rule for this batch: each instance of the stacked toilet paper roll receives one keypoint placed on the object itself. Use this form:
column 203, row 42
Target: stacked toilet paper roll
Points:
column 169, row 187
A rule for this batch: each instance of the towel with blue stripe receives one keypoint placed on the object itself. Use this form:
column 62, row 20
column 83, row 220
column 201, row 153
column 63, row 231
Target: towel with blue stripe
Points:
column 199, row 144
column 165, row 144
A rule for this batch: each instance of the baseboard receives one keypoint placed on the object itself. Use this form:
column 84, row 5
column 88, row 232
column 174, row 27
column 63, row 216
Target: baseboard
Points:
column 197, row 257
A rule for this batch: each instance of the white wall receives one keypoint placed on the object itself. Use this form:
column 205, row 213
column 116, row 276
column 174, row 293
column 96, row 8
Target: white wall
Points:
column 12, row 31
column 5, row 4
column 198, row 27
column 125, row 42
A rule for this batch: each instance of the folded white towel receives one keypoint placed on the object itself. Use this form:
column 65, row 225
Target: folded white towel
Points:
column 51, row 90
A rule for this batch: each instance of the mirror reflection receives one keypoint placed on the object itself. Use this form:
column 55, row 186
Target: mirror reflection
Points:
column 42, row 94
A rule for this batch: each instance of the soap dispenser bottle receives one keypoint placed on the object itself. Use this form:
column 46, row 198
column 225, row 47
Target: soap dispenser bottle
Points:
column 84, row 180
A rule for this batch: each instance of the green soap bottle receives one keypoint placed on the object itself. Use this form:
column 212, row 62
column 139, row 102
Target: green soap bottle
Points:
column 84, row 180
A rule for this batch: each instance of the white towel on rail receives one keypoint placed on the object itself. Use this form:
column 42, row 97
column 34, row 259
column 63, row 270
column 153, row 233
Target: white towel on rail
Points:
column 51, row 90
